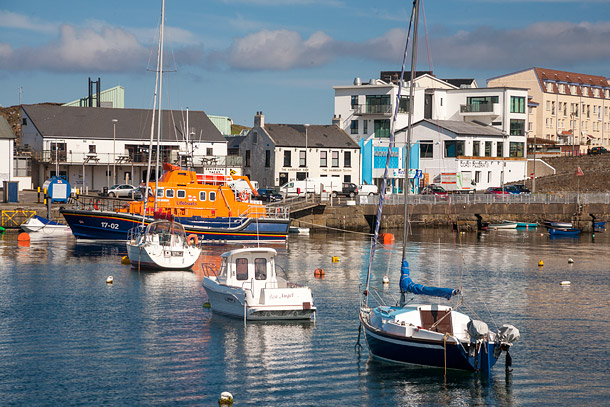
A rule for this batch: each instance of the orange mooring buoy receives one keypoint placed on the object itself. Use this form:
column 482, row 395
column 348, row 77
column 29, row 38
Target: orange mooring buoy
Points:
column 23, row 237
column 388, row 238
column 319, row 272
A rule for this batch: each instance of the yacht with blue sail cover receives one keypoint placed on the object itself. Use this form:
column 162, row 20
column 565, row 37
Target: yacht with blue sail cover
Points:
column 430, row 335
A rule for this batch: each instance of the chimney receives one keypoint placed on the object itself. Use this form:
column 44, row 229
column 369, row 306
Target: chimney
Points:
column 259, row 120
column 337, row 121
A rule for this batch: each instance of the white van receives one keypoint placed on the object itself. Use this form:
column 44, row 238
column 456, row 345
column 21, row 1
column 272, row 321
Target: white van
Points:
column 366, row 189
column 297, row 188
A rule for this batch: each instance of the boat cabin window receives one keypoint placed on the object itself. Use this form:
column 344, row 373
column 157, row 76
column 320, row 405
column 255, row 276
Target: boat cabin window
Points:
column 241, row 268
column 212, row 196
column 260, row 268
column 222, row 273
column 169, row 193
column 159, row 192
column 202, row 195
column 181, row 193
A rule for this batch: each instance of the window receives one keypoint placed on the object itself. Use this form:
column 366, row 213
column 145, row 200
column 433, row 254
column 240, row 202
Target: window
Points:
column 159, row 192
column 24, row 121
column 323, row 159
column 552, row 107
column 267, row 158
column 477, row 177
column 517, row 104
column 354, row 101
column 481, row 103
column 181, row 193
column 476, row 147
column 426, row 149
column 517, row 127
column 169, row 193
column 403, row 105
column 347, row 178
column 335, row 159
column 347, row 159
column 516, row 149
column 287, row 158
column 488, row 148
column 212, row 196
column 382, row 128
column 241, row 269
column 378, row 104
column 454, row 148
column 548, row 105
column 365, row 126
column 247, row 158
column 254, row 137
column 92, row 148
column 202, row 195
column 500, row 149
column 354, row 127
column 303, row 158
column 209, row 151
column 260, row 268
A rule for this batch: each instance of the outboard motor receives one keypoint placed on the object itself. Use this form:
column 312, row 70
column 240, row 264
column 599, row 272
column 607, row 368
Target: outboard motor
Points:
column 507, row 334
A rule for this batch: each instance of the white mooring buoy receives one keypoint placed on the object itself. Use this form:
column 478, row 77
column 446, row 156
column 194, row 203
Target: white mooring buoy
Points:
column 109, row 280
column 565, row 283
column 570, row 260
column 386, row 280
column 226, row 399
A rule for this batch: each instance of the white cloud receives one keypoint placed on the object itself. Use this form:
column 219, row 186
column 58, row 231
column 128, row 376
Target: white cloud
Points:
column 9, row 19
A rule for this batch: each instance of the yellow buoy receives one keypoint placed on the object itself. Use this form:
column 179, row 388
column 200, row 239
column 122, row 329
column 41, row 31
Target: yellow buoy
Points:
column 335, row 259
column 540, row 263
column 207, row 305
column 125, row 261
column 109, row 280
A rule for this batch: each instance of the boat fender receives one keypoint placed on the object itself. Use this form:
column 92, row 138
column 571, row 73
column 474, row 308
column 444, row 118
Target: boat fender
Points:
column 243, row 196
column 192, row 240
column 96, row 204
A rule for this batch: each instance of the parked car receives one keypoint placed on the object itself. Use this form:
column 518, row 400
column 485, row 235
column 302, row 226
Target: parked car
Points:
column 436, row 190
column 367, row 189
column 496, row 191
column 121, row 191
column 512, row 189
column 347, row 189
column 597, row 150
column 522, row 188
column 268, row 195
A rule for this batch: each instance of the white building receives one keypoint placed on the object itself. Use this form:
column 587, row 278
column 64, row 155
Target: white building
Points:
column 365, row 112
column 274, row 154
column 97, row 147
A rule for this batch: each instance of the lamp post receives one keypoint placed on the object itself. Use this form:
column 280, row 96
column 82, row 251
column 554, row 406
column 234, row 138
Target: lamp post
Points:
column 114, row 122
column 306, row 165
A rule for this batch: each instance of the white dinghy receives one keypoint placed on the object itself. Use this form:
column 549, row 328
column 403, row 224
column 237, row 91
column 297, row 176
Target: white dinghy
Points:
column 247, row 286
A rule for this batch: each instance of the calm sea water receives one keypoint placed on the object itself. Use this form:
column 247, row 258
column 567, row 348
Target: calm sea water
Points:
column 68, row 338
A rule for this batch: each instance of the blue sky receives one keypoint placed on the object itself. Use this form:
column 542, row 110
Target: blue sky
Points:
column 282, row 57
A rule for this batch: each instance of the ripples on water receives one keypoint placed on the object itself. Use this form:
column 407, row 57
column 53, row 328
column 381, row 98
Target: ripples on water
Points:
column 67, row 338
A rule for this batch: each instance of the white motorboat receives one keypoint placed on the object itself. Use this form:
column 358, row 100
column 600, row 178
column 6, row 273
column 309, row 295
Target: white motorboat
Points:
column 506, row 224
column 247, row 286
column 39, row 224
column 162, row 245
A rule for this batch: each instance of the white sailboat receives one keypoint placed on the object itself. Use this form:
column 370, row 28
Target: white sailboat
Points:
column 163, row 243
column 247, row 286
column 426, row 334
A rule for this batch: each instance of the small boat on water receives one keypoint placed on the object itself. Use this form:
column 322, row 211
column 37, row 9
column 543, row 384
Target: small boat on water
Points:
column 599, row 226
column 564, row 231
column 555, row 224
column 39, row 224
column 504, row 225
column 247, row 286
column 526, row 225
column 162, row 245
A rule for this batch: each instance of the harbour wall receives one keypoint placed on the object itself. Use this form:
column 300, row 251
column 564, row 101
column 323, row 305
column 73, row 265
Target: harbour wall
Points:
column 361, row 218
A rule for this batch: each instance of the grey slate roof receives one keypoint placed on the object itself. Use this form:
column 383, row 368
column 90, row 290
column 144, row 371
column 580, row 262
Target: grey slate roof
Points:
column 293, row 135
column 133, row 124
column 5, row 129
column 234, row 141
column 462, row 128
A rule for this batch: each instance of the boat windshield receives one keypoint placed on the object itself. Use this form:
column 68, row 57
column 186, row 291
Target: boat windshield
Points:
column 166, row 227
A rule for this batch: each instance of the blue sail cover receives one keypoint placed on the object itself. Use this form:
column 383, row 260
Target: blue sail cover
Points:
column 407, row 285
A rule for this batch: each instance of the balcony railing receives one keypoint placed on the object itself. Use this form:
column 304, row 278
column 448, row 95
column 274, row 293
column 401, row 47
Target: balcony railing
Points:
column 477, row 108
column 373, row 109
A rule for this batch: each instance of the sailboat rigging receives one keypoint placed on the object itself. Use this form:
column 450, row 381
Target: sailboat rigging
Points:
column 431, row 335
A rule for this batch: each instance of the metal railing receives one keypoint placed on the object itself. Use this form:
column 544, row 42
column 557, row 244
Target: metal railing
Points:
column 477, row 108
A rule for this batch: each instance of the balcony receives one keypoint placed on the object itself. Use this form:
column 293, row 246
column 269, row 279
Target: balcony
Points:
column 481, row 109
column 384, row 110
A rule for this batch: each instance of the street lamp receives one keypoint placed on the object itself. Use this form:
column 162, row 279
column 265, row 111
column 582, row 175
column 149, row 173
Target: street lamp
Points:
column 306, row 165
column 114, row 122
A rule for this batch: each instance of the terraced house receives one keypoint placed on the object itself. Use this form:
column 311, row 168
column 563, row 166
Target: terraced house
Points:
column 568, row 111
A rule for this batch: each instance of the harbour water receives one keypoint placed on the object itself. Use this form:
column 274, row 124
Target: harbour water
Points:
column 69, row 338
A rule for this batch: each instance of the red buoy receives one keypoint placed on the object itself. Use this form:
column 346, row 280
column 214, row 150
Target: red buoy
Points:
column 388, row 238
column 319, row 272
column 23, row 237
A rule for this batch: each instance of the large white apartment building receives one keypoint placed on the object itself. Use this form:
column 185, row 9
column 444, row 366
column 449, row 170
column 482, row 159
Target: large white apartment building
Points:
column 571, row 110
column 493, row 136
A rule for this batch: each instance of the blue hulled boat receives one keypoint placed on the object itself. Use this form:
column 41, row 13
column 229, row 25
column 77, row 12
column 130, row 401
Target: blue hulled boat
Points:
column 564, row 231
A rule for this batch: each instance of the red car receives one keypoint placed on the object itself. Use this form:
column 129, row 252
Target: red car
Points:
column 436, row 190
column 497, row 191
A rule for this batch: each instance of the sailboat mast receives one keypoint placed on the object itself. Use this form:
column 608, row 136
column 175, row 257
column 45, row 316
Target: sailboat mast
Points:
column 405, row 230
column 160, row 70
